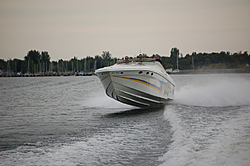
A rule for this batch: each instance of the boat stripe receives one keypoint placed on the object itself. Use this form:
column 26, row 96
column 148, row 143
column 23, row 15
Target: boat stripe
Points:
column 104, row 78
column 143, row 82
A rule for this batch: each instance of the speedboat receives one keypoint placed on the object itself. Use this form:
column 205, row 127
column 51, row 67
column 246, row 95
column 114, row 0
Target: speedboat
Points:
column 141, row 83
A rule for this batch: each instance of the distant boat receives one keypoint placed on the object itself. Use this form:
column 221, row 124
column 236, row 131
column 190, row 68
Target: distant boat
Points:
column 247, row 66
column 142, row 83
column 176, row 71
column 170, row 70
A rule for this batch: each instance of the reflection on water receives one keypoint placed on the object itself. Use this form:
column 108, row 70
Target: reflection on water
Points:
column 134, row 112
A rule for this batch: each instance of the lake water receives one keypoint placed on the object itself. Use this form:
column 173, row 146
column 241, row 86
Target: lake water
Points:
column 70, row 121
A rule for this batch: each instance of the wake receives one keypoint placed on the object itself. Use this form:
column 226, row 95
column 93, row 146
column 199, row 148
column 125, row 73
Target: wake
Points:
column 215, row 93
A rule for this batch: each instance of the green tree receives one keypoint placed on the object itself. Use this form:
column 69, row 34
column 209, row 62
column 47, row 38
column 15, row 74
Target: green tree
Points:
column 34, row 56
column 173, row 56
column 45, row 59
column 3, row 64
column 98, row 60
column 106, row 56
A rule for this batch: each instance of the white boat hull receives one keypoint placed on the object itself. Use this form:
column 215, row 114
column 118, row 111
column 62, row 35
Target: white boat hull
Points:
column 141, row 88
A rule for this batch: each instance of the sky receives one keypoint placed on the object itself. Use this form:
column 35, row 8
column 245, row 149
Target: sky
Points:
column 80, row 28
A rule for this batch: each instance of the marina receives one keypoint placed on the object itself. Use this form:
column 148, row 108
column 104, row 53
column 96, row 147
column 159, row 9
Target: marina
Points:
column 47, row 74
column 209, row 71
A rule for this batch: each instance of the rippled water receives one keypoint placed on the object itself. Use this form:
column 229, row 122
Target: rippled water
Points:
column 70, row 121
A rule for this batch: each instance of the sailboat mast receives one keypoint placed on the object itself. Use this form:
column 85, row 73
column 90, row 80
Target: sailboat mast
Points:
column 85, row 66
column 177, row 60
column 77, row 65
column 193, row 61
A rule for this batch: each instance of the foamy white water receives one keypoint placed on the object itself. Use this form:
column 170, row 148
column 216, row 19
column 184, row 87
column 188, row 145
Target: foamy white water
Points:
column 217, row 134
column 214, row 91
column 210, row 140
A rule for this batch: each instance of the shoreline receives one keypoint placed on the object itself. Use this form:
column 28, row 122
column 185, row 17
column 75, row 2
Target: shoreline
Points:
column 47, row 75
column 211, row 71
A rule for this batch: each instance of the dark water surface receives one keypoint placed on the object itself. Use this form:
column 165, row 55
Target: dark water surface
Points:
column 70, row 121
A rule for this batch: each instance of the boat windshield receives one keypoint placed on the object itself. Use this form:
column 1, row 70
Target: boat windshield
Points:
column 137, row 61
column 134, row 60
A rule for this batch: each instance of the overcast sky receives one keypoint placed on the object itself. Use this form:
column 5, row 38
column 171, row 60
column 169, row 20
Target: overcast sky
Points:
column 123, row 27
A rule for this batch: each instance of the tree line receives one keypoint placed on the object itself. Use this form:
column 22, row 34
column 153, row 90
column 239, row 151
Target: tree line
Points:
column 36, row 62
column 204, row 61
column 40, row 62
